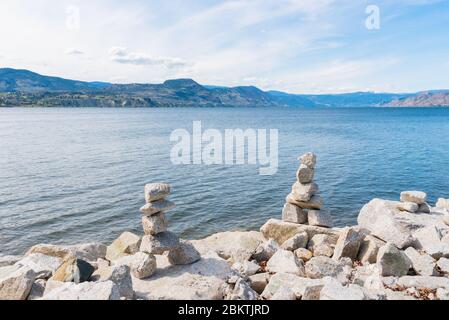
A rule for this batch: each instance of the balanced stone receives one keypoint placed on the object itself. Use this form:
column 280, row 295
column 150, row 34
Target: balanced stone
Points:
column 184, row 254
column 160, row 243
column 408, row 206
column 156, row 207
column 303, row 192
column 154, row 224
column 314, row 203
column 319, row 218
column 305, row 174
column 308, row 159
column 417, row 197
column 294, row 214
column 156, row 191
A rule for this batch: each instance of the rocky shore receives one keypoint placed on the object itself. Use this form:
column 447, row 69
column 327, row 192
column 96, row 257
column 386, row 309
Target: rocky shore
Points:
column 399, row 250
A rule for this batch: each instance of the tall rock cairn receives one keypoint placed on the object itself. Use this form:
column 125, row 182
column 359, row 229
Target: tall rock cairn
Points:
column 158, row 240
column 303, row 205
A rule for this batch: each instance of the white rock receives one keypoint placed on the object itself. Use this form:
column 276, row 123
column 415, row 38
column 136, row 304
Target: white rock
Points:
column 156, row 191
column 120, row 275
column 17, row 284
column 265, row 250
column 156, row 207
column 392, row 262
column 37, row 290
column 408, row 206
column 259, row 281
column 322, row 245
column 319, row 218
column 304, row 192
column 126, row 244
column 308, row 159
column 320, row 267
column 333, row 290
column 44, row 266
column 316, row 202
column 246, row 268
column 312, row 292
column 203, row 280
column 445, row 239
column 348, row 244
column 303, row 254
column 437, row 251
column 284, row 294
column 305, row 174
column 443, row 265
column 184, row 253
column 236, row 245
column 160, row 243
column 284, row 261
column 50, row 250
column 241, row 291
column 417, row 197
column 142, row 265
column 281, row 231
column 154, row 224
column 299, row 240
column 427, row 237
column 84, row 291
column 294, row 214
column 297, row 284
column 369, row 247
column 423, row 264
column 442, row 294
column 442, row 203
column 89, row 252
column 423, row 282
column 9, row 260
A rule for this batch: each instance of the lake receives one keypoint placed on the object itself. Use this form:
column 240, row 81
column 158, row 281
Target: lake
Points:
column 77, row 175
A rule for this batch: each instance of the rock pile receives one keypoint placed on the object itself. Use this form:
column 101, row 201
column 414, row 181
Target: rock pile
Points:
column 303, row 205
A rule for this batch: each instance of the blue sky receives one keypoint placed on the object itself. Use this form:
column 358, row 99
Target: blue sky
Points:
column 298, row 46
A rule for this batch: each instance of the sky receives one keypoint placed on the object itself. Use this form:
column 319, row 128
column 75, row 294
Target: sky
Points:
column 297, row 46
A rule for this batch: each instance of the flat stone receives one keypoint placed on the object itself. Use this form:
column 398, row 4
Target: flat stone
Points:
column 44, row 266
column 159, row 243
column 37, row 290
column 369, row 247
column 303, row 254
column 265, row 250
column 305, row 174
column 120, row 275
column 320, row 267
column 84, row 291
column 392, row 262
column 316, row 202
column 417, row 197
column 281, row 231
column 348, row 244
column 319, row 218
column 299, row 240
column 16, row 285
column 259, row 281
column 9, row 260
column 408, row 206
column 284, row 261
column 202, row 280
column 304, row 192
column 126, row 244
column 156, row 207
column 156, row 191
column 422, row 263
column 294, row 214
column 236, row 246
column 185, row 253
column 154, row 224
column 308, row 159
column 50, row 250
column 297, row 284
column 334, row 290
column 142, row 265
column 443, row 265
column 73, row 270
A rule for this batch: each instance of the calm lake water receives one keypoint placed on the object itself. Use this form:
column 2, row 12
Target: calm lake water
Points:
column 77, row 175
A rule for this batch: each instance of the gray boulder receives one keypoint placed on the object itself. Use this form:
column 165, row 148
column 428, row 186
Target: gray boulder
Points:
column 265, row 250
column 422, row 263
column 348, row 244
column 294, row 214
column 284, row 261
column 184, row 253
column 392, row 262
column 154, row 224
column 241, row 291
column 141, row 264
column 320, row 267
column 16, row 282
column 299, row 240
column 334, row 290
column 259, row 281
column 37, row 290
column 319, row 218
column 120, row 275
column 156, row 191
column 160, row 243
column 305, row 174
column 303, row 192
column 369, row 247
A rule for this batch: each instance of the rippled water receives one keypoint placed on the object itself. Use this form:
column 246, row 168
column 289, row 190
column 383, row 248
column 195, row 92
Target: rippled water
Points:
column 77, row 175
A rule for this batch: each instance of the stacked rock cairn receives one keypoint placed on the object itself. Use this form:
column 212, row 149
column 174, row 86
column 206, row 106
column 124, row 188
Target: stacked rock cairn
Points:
column 158, row 240
column 303, row 205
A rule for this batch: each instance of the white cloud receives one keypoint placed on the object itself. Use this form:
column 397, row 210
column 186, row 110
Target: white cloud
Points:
column 122, row 55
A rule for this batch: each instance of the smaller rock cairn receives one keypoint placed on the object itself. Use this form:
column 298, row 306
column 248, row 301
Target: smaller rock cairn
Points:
column 303, row 205
column 158, row 239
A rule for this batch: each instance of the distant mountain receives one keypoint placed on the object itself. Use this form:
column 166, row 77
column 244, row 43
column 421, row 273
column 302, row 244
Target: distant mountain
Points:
column 26, row 88
column 436, row 98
